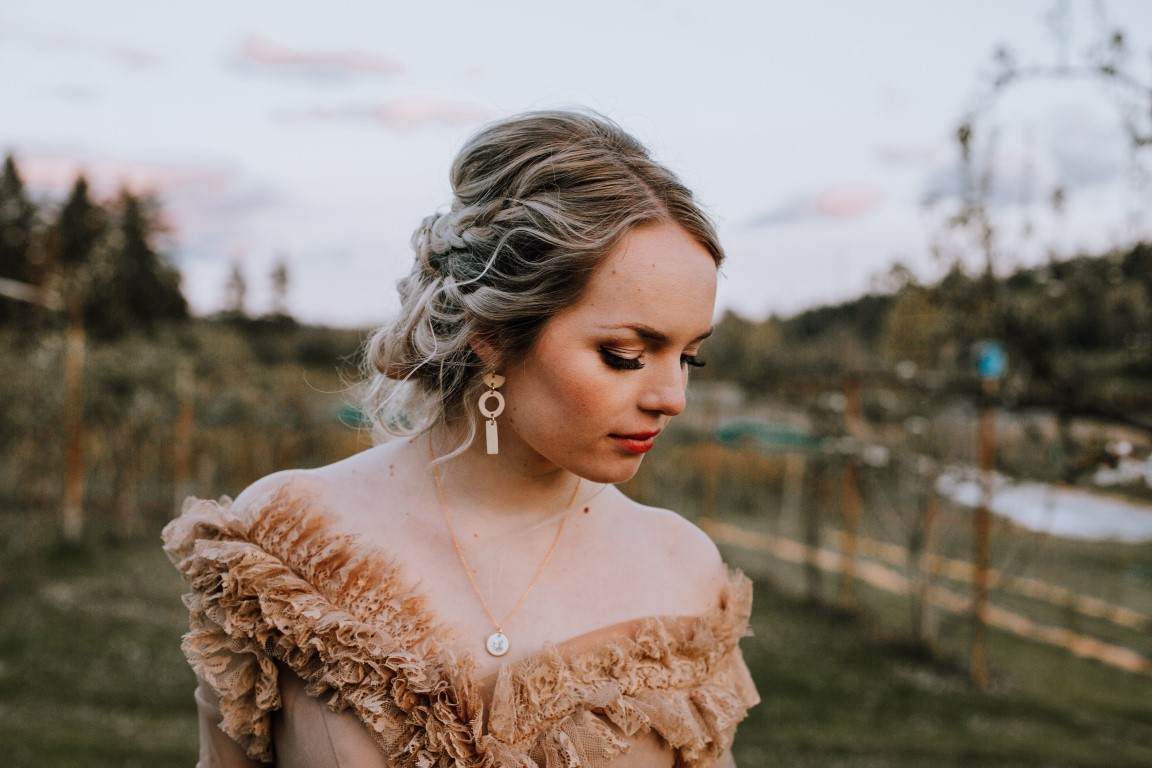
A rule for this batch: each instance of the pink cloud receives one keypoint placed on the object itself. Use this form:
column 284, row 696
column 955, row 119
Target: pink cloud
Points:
column 403, row 115
column 408, row 114
column 842, row 201
column 208, row 207
column 846, row 201
column 55, row 173
column 275, row 57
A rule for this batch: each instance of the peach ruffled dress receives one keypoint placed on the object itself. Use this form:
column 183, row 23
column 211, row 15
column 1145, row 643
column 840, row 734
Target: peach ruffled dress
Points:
column 312, row 651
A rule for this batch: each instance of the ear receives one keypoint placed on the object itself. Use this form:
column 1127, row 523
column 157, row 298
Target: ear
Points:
column 487, row 353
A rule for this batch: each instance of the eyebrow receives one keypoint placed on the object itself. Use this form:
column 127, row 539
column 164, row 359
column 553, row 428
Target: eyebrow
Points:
column 650, row 333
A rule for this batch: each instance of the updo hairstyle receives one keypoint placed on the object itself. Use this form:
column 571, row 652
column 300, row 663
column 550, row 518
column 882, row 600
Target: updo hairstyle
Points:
column 540, row 200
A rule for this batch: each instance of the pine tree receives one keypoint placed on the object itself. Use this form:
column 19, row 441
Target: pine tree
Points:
column 73, row 241
column 138, row 286
column 78, row 229
column 236, row 292
column 17, row 222
column 280, row 282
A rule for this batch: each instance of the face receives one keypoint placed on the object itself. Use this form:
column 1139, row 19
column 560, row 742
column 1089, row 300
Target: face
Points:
column 607, row 374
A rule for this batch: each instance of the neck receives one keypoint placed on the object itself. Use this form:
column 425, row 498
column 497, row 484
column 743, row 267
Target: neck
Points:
column 516, row 487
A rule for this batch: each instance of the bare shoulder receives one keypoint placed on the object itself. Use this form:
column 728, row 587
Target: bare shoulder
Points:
column 688, row 561
column 302, row 483
column 334, row 488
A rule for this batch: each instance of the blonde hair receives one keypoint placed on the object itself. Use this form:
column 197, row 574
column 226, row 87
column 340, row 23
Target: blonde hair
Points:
column 540, row 200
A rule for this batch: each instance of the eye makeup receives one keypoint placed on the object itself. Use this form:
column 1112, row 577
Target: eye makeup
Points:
column 621, row 363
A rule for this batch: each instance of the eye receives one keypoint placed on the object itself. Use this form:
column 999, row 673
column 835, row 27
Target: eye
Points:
column 692, row 360
column 619, row 362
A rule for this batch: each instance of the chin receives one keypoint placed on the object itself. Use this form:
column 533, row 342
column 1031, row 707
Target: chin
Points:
column 616, row 472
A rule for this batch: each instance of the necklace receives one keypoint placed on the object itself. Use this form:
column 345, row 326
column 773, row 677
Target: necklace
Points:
column 497, row 643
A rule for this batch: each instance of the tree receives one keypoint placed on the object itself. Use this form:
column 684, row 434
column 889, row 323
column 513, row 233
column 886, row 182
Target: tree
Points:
column 236, row 292
column 74, row 239
column 17, row 221
column 973, row 231
column 77, row 230
column 280, row 282
column 134, row 284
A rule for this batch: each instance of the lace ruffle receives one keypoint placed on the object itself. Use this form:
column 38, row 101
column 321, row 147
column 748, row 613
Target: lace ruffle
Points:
column 277, row 585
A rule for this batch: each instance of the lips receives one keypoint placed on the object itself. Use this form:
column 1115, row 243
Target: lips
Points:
column 639, row 442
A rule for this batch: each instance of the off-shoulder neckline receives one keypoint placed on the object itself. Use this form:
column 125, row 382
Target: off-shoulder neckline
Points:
column 616, row 633
column 283, row 583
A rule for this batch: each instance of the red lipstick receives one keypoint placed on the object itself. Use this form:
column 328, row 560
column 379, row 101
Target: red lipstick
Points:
column 640, row 442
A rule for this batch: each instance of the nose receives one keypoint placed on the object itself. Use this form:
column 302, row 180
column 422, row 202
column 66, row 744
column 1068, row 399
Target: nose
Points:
column 664, row 388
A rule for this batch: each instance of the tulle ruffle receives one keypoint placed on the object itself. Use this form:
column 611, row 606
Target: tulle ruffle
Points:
column 274, row 584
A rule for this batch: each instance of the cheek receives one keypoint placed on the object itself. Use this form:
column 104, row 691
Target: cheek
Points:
column 583, row 400
column 569, row 392
column 587, row 388
column 574, row 397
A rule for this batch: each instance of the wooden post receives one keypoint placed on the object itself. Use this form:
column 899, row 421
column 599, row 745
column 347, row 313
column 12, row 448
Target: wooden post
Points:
column 850, row 512
column 811, row 531
column 72, row 511
column 793, row 493
column 850, row 496
column 920, row 556
column 127, row 450
column 982, row 536
column 183, row 429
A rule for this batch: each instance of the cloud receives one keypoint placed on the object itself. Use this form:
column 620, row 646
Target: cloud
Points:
column 261, row 54
column 1014, row 182
column 63, row 40
column 893, row 98
column 70, row 92
column 1085, row 152
column 209, row 206
column 907, row 156
column 843, row 201
column 409, row 114
column 1074, row 150
column 401, row 115
column 55, row 173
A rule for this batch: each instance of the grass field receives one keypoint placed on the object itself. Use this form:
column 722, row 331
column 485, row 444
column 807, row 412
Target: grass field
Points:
column 840, row 690
column 91, row 675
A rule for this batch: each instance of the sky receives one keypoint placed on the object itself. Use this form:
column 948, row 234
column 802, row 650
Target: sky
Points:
column 322, row 134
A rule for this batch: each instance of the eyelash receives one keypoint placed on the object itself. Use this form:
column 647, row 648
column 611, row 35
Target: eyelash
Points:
column 635, row 363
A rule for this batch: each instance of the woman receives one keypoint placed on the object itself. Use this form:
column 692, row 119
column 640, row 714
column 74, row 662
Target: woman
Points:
column 477, row 592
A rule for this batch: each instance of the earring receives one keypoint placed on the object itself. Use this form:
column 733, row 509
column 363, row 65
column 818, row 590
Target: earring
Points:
column 493, row 380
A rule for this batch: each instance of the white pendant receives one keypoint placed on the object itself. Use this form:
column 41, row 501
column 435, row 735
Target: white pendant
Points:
column 493, row 440
column 497, row 643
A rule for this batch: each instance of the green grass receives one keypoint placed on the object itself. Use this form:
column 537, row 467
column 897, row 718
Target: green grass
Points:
column 91, row 675
column 843, row 690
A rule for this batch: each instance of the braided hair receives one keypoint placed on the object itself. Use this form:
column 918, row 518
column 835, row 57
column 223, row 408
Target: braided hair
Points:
column 539, row 201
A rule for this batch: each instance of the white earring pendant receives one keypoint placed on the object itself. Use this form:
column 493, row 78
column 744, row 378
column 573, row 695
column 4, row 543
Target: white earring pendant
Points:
column 493, row 380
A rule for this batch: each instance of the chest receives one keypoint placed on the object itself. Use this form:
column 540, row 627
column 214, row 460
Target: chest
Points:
column 534, row 587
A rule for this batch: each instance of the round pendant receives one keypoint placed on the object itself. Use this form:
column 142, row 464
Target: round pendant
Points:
column 497, row 643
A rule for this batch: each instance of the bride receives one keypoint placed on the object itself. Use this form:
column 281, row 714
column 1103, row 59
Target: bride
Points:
column 474, row 590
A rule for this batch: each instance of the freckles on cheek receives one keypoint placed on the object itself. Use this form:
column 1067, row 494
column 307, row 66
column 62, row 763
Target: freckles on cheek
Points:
column 579, row 396
column 584, row 405
column 574, row 385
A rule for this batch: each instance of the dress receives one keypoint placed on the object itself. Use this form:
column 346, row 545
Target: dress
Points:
column 312, row 651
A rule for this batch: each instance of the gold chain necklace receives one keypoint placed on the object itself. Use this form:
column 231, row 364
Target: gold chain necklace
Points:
column 497, row 643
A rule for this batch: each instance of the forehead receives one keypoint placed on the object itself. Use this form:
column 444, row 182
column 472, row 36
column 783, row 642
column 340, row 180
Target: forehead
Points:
column 658, row 277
